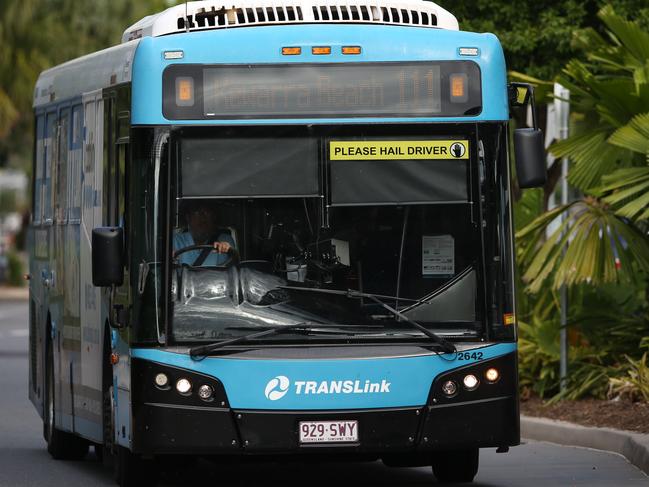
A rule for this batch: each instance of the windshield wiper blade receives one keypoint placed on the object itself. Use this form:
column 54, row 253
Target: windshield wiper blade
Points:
column 332, row 328
column 201, row 350
column 302, row 327
column 445, row 344
column 351, row 293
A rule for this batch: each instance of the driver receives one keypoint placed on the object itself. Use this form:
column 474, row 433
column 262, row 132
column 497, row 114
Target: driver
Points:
column 202, row 230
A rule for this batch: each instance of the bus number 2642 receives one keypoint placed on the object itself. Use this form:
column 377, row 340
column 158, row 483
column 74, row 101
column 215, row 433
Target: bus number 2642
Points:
column 469, row 355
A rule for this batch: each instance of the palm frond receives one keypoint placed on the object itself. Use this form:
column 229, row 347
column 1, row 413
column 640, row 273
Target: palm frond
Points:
column 528, row 207
column 617, row 100
column 630, row 34
column 634, row 135
column 627, row 191
column 592, row 155
column 592, row 245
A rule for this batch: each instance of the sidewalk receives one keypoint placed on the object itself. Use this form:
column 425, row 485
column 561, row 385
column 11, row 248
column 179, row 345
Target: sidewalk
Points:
column 633, row 446
column 14, row 293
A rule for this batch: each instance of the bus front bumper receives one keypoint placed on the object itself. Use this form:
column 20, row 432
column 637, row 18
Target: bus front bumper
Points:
column 171, row 429
column 170, row 423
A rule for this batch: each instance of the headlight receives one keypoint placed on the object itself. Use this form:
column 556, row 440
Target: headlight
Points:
column 205, row 392
column 492, row 375
column 470, row 382
column 184, row 386
column 161, row 380
column 449, row 388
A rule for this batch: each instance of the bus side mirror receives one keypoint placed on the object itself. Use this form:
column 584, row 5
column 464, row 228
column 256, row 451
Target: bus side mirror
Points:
column 530, row 157
column 107, row 256
column 529, row 148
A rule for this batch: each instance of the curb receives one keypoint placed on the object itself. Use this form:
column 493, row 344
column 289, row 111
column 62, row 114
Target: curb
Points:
column 14, row 293
column 633, row 446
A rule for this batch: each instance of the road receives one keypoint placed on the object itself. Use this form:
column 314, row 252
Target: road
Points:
column 24, row 460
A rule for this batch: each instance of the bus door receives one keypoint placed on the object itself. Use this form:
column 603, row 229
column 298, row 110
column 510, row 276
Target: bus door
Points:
column 44, row 249
column 115, row 214
column 61, row 293
column 91, row 217
column 38, row 246
column 72, row 253
column 52, row 269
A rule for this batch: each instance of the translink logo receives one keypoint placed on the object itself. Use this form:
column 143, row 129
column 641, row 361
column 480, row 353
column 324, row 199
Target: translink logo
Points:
column 280, row 385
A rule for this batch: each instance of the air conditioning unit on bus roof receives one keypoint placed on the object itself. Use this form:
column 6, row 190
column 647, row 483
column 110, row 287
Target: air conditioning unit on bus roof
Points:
column 204, row 15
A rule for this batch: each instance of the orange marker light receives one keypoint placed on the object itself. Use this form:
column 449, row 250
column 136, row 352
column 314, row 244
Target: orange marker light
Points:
column 459, row 88
column 291, row 51
column 184, row 91
column 457, row 85
column 351, row 49
column 509, row 318
column 114, row 358
column 321, row 50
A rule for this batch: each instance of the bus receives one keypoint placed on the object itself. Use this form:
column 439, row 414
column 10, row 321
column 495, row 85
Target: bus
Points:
column 279, row 230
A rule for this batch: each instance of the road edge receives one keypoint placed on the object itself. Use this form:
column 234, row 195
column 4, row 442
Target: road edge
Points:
column 8, row 293
column 633, row 446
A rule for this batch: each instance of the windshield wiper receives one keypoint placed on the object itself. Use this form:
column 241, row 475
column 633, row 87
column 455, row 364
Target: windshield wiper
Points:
column 351, row 293
column 303, row 327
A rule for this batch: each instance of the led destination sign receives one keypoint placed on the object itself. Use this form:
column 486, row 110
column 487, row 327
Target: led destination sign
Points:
column 416, row 89
column 380, row 89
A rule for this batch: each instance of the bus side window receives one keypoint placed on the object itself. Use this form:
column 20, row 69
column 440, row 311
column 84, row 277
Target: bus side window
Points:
column 109, row 213
column 61, row 176
column 39, row 158
column 74, row 165
column 116, row 153
column 48, row 145
column 121, row 177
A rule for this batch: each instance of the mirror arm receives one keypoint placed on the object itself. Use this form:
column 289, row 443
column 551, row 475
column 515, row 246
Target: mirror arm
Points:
column 529, row 98
column 532, row 102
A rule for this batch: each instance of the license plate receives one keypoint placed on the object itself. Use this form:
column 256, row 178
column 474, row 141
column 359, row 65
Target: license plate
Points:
column 328, row 431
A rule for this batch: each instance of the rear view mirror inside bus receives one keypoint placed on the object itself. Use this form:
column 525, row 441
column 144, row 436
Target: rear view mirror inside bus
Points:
column 530, row 157
column 107, row 256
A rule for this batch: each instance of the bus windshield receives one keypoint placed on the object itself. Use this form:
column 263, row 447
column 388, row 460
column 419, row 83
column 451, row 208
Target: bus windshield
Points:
column 267, row 227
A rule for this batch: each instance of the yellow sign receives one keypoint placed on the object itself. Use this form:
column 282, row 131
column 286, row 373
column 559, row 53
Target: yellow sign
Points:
column 365, row 150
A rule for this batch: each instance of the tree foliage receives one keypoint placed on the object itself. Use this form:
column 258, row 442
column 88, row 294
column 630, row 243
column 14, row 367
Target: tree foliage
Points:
column 602, row 238
column 537, row 35
column 37, row 34
column 592, row 245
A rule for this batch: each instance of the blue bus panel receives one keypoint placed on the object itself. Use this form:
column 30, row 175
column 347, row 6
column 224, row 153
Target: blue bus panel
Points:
column 308, row 384
column 263, row 45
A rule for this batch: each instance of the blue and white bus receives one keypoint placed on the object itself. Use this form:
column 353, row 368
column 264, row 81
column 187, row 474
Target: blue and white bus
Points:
column 273, row 229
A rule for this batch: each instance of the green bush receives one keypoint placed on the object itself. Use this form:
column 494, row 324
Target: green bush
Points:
column 634, row 385
column 607, row 328
column 588, row 371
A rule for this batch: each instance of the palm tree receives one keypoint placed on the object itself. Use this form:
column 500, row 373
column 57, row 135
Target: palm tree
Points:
column 603, row 237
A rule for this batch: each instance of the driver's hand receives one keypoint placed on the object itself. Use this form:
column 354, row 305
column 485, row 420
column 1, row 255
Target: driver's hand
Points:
column 222, row 247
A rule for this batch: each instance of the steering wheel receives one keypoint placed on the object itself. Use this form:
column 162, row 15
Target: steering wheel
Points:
column 231, row 253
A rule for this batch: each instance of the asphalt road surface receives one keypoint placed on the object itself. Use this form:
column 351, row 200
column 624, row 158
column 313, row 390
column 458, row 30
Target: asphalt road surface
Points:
column 24, row 460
